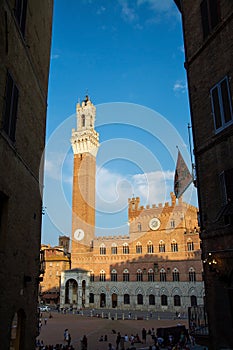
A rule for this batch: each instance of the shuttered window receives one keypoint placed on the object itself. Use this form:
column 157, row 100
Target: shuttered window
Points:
column 221, row 104
column 210, row 16
column 10, row 107
column 20, row 14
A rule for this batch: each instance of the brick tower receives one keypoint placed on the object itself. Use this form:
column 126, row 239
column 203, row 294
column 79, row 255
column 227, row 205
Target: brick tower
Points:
column 85, row 143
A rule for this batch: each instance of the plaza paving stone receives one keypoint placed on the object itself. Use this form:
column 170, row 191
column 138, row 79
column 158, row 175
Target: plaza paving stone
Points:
column 93, row 328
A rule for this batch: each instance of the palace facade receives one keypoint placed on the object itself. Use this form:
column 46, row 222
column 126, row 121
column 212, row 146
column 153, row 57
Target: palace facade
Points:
column 156, row 266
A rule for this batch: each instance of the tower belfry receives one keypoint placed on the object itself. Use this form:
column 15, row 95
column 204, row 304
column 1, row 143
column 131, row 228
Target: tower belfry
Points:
column 85, row 143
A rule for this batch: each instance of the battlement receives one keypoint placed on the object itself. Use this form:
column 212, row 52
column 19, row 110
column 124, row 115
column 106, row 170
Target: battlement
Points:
column 133, row 204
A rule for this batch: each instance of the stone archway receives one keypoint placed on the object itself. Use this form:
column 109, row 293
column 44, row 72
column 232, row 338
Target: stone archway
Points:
column 114, row 300
column 71, row 289
column 102, row 300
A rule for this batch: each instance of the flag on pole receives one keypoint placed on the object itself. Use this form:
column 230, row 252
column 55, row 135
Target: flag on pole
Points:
column 182, row 178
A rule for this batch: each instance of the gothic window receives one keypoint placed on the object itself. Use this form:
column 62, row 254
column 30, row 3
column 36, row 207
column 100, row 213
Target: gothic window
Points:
column 193, row 300
column 10, row 107
column 126, row 275
column 163, row 300
column 172, row 223
column 139, row 275
column 83, row 120
column 125, row 248
column 163, row 275
column 174, row 246
column 138, row 248
column 177, row 300
column 139, row 227
column 190, row 246
column 176, row 275
column 151, row 299
column 114, row 276
column 91, row 298
column 114, row 249
column 151, row 276
column 102, row 276
column 20, row 14
column 140, row 299
column 221, row 104
column 210, row 16
column 126, row 299
column 161, row 247
column 102, row 249
column 150, row 248
column 192, row 275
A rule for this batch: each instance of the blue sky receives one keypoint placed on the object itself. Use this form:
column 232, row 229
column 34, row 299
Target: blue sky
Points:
column 128, row 55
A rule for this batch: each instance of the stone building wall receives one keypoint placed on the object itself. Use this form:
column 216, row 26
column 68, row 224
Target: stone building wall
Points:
column 24, row 67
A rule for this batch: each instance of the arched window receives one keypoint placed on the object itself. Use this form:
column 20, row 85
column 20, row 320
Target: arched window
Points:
column 161, row 247
column 102, row 276
column 163, row 300
column 138, row 248
column 83, row 120
column 125, row 248
column 102, row 249
column 139, row 227
column 151, row 276
column 126, row 299
column 114, row 249
column 193, row 300
column 151, row 299
column 150, row 248
column 190, row 245
column 176, row 300
column 114, row 276
column 163, row 275
column 175, row 275
column 91, row 298
column 174, row 246
column 126, row 275
column 92, row 276
column 140, row 299
column 139, row 275
column 192, row 275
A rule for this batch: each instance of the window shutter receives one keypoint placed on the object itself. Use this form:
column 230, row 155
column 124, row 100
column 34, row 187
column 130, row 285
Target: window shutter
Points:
column 214, row 13
column 226, row 100
column 216, row 108
column 204, row 18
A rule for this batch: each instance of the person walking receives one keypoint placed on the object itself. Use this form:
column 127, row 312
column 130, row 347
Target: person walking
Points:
column 144, row 335
column 118, row 339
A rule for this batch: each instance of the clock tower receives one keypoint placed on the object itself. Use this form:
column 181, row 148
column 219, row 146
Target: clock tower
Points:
column 85, row 143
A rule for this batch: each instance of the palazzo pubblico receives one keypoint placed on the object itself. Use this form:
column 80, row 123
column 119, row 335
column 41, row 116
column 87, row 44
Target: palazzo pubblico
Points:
column 157, row 266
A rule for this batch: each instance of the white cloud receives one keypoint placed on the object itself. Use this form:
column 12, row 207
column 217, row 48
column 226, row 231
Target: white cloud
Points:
column 180, row 86
column 55, row 56
column 128, row 13
column 113, row 189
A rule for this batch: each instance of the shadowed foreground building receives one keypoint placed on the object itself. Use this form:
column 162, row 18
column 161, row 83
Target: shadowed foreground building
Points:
column 157, row 266
column 25, row 36
column 208, row 38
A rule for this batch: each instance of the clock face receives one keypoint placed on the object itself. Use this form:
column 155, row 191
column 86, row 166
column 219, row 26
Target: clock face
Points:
column 79, row 234
column 154, row 224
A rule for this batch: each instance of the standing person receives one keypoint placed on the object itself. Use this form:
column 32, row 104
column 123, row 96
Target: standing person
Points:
column 144, row 335
column 84, row 342
column 118, row 339
column 66, row 334
column 69, row 339
column 122, row 343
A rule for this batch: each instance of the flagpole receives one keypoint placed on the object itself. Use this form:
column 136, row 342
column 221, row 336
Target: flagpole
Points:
column 191, row 153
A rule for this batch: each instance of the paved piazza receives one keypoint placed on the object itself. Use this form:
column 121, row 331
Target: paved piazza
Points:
column 93, row 327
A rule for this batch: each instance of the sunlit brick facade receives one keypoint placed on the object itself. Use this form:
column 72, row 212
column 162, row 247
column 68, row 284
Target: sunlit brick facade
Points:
column 156, row 266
